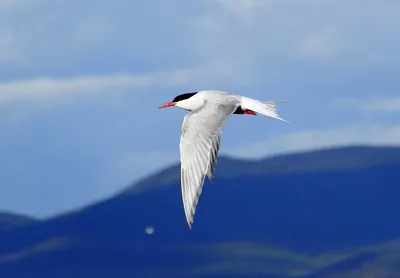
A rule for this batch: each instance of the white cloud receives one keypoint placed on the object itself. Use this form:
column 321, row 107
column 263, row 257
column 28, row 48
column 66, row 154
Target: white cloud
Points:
column 8, row 46
column 263, row 42
column 375, row 104
column 322, row 45
column 40, row 87
column 47, row 89
column 244, row 9
column 313, row 139
column 245, row 3
column 277, row 40
column 13, row 3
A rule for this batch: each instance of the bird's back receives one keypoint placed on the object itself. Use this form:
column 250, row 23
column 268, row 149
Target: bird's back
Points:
column 220, row 97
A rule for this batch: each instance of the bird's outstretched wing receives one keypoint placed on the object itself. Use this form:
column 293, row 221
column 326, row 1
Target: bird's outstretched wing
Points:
column 199, row 146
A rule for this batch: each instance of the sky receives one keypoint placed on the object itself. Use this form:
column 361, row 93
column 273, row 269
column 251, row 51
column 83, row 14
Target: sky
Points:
column 81, row 82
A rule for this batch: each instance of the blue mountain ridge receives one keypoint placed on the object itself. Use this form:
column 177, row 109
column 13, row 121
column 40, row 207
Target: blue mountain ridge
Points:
column 288, row 216
column 9, row 220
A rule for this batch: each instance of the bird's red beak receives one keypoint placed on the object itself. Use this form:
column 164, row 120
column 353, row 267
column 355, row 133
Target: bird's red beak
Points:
column 168, row 104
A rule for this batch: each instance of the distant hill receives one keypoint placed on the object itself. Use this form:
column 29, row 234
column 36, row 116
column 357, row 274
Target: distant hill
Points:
column 338, row 158
column 10, row 220
column 314, row 214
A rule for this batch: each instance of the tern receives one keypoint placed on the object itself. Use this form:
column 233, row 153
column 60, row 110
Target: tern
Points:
column 201, row 132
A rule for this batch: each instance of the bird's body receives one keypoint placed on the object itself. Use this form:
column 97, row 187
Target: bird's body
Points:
column 200, row 138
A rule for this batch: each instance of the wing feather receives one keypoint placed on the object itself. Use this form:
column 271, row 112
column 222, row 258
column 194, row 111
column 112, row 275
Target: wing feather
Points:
column 199, row 147
column 214, row 155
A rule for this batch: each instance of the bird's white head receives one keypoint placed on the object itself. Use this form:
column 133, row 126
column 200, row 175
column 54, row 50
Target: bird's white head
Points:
column 184, row 101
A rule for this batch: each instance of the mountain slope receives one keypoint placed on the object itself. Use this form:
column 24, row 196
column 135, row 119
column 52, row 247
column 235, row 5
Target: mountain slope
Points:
column 11, row 220
column 270, row 224
column 340, row 158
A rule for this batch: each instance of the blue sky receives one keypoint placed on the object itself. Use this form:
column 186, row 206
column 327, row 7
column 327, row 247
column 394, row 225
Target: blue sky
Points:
column 80, row 83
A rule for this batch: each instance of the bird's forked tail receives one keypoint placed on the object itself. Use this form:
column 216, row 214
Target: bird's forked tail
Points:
column 267, row 108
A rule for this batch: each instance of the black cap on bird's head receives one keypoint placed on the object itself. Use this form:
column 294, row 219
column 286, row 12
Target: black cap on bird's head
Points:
column 183, row 96
column 177, row 99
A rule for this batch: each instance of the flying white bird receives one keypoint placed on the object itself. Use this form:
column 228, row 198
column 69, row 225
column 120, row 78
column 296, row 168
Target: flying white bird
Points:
column 200, row 138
